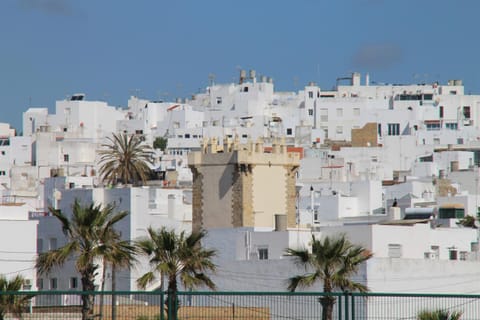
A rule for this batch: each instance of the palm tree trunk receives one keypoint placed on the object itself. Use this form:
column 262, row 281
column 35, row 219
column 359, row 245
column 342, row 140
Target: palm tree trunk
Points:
column 114, row 297
column 327, row 307
column 327, row 301
column 87, row 299
column 172, row 299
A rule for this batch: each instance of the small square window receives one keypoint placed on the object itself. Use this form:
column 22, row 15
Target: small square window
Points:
column 73, row 283
column 53, row 283
column 40, row 283
column 3, row 152
column 53, row 243
column 263, row 253
column 394, row 250
column 66, row 157
column 310, row 112
column 289, row 131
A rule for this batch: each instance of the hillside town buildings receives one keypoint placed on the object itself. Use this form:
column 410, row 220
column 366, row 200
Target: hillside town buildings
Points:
column 393, row 166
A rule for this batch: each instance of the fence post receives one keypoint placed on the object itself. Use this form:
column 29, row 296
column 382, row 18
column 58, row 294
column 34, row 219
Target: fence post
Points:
column 352, row 297
column 340, row 307
column 346, row 305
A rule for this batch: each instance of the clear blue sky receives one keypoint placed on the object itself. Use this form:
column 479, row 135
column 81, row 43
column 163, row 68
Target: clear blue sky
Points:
column 111, row 49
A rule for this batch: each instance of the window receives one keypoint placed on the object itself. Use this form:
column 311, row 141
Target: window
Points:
column 356, row 112
column 433, row 126
column 310, row 94
column 40, row 283
column 463, row 255
column 310, row 112
column 451, row 125
column 440, row 110
column 263, row 253
column 73, row 283
column 187, row 135
column 3, row 173
column 289, row 131
column 379, row 129
column 451, row 212
column 339, row 112
column 53, row 283
column 66, row 157
column 339, row 129
column 393, row 129
column 53, row 244
column 452, row 254
column 3, row 152
column 466, row 112
column 324, row 115
column 427, row 96
column 219, row 100
column 394, row 250
column 245, row 89
column 138, row 131
column 244, row 135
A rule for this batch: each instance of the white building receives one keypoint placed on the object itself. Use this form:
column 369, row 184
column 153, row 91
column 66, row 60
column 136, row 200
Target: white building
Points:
column 18, row 242
column 156, row 207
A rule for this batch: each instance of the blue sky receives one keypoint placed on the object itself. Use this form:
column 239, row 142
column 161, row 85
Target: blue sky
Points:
column 111, row 49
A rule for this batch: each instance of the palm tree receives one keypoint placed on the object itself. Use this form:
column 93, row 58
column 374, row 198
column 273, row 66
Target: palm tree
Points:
column 439, row 315
column 178, row 257
column 125, row 159
column 10, row 303
column 86, row 232
column 118, row 254
column 332, row 261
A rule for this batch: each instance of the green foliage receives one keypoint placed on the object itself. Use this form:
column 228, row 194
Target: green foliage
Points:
column 468, row 221
column 9, row 303
column 439, row 315
column 125, row 158
column 178, row 257
column 160, row 143
column 333, row 261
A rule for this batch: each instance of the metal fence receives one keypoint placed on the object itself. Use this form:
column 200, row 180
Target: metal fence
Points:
column 238, row 305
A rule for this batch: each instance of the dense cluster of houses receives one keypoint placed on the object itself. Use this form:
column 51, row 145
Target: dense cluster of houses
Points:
column 392, row 166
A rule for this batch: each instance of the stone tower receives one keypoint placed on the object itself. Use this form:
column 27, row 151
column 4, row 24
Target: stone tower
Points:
column 241, row 185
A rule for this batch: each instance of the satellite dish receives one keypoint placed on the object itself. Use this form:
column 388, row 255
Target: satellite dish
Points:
column 476, row 224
